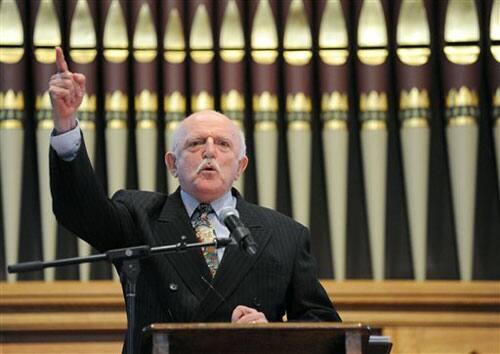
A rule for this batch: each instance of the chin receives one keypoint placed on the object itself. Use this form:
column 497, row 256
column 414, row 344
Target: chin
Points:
column 209, row 192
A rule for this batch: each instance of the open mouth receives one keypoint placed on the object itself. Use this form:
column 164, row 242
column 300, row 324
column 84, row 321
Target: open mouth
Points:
column 208, row 168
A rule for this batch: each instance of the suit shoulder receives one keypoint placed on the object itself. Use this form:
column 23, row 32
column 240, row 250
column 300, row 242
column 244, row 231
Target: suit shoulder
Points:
column 273, row 218
column 142, row 200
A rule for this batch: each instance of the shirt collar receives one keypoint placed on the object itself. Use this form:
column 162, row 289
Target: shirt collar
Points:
column 191, row 203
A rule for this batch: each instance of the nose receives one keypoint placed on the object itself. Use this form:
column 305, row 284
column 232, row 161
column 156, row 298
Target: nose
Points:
column 209, row 151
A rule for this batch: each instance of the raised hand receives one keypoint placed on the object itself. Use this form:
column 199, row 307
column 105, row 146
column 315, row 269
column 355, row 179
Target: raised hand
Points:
column 66, row 93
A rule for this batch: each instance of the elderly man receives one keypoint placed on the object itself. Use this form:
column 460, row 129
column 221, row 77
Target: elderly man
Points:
column 209, row 285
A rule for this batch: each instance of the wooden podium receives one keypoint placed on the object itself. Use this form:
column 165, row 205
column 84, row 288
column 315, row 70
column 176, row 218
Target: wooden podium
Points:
column 261, row 338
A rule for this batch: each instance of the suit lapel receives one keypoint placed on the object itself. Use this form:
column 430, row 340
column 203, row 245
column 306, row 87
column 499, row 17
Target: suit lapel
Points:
column 173, row 223
column 235, row 264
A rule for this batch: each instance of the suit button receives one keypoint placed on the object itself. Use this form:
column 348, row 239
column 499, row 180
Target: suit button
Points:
column 173, row 286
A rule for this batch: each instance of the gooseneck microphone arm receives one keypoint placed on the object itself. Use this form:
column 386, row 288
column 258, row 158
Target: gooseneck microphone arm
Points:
column 129, row 271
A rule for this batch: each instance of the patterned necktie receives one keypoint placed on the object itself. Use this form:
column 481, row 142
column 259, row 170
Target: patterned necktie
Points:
column 205, row 232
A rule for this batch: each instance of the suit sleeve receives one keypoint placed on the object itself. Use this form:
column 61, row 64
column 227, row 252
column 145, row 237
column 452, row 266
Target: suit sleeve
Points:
column 81, row 205
column 307, row 300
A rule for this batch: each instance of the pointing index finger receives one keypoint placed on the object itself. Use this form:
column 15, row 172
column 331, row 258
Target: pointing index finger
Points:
column 61, row 64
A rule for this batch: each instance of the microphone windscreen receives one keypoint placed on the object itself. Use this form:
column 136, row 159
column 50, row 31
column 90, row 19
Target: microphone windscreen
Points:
column 226, row 212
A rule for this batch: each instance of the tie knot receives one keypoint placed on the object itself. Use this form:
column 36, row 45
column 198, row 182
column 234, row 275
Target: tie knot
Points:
column 202, row 210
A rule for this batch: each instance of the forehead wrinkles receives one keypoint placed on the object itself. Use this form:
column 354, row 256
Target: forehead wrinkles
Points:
column 206, row 130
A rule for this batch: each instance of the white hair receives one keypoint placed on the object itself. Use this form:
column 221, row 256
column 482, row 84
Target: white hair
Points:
column 179, row 133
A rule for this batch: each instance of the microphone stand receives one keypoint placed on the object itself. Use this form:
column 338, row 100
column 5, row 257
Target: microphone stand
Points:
column 129, row 272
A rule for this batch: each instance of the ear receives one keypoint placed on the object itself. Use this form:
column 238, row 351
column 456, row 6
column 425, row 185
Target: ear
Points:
column 242, row 165
column 170, row 162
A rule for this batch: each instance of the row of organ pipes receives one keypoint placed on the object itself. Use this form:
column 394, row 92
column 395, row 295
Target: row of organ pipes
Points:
column 188, row 34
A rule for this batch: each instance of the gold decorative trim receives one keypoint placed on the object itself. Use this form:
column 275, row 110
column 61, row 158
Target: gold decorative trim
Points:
column 202, row 101
column 116, row 124
column 462, row 97
column 299, row 125
column 298, row 102
column 297, row 57
column 145, row 56
column 495, row 51
column 233, row 101
column 175, row 102
column 334, row 56
column 265, row 126
column 174, row 57
column 12, row 100
column 374, row 125
column 414, row 56
column 372, row 56
column 11, row 55
column 202, row 56
column 89, row 103
column 462, row 121
column 146, row 124
column 45, row 55
column 414, row 98
column 45, row 124
column 115, row 55
column 146, row 101
column 83, row 56
column 11, row 124
column 335, row 124
column 335, row 101
column 373, row 101
column 265, row 57
column 116, row 101
column 42, row 101
column 265, row 102
column 416, row 122
column 462, row 55
column 232, row 55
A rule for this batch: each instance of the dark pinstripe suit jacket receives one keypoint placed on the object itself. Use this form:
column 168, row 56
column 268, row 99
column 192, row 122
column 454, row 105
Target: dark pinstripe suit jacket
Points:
column 280, row 278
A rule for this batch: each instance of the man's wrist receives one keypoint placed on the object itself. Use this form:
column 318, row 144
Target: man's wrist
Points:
column 64, row 127
column 66, row 144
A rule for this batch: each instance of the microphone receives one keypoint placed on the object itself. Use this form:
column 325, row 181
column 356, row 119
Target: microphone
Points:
column 231, row 218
